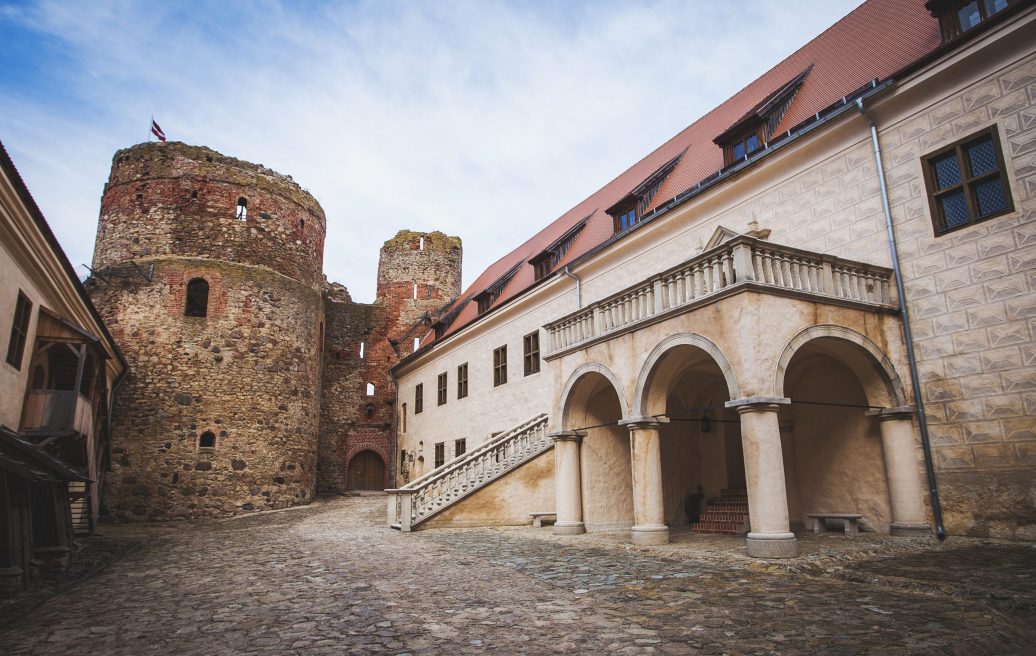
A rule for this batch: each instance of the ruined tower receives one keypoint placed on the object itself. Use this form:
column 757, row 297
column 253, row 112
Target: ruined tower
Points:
column 208, row 271
column 418, row 274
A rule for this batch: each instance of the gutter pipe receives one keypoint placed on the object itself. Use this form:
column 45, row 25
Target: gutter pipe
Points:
column 933, row 490
column 579, row 286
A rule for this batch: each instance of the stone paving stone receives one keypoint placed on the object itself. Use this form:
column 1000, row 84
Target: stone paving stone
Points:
column 311, row 581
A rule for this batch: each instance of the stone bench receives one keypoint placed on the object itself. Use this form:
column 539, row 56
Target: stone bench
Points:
column 539, row 517
column 852, row 526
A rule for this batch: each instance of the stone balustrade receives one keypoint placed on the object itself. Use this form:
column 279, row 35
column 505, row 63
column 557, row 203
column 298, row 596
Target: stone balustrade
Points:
column 741, row 263
column 423, row 497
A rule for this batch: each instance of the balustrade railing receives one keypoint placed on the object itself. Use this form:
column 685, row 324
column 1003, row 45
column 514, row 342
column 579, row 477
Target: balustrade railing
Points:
column 742, row 260
column 425, row 496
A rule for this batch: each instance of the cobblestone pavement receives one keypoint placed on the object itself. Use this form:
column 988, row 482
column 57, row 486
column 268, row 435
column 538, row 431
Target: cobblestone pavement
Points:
column 330, row 579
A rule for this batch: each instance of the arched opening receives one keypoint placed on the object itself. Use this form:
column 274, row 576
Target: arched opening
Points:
column 366, row 471
column 242, row 208
column 592, row 406
column 833, row 454
column 703, row 465
column 207, row 440
column 197, row 301
column 370, row 389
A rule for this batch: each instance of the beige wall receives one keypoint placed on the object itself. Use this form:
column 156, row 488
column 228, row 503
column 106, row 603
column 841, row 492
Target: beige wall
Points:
column 13, row 278
column 971, row 293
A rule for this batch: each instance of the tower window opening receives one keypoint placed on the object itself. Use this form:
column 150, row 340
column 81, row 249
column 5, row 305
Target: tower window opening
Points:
column 363, row 349
column 197, row 304
column 207, row 440
column 370, row 389
column 302, row 224
column 420, row 244
column 242, row 208
column 415, row 291
column 370, row 411
column 417, row 343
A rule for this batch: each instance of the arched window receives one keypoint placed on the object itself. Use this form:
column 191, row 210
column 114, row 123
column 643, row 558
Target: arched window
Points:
column 370, row 411
column 197, row 304
column 242, row 208
column 370, row 389
column 207, row 440
column 420, row 244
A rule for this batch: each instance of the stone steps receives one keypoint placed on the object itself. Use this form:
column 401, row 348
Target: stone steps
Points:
column 726, row 515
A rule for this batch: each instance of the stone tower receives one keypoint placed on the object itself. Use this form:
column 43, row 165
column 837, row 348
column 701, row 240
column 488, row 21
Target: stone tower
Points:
column 208, row 271
column 418, row 273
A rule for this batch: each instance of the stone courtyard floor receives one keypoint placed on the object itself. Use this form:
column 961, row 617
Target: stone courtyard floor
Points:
column 331, row 579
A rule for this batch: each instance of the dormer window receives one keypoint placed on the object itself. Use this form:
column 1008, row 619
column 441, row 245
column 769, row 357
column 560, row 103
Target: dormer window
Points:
column 552, row 255
column 631, row 209
column 752, row 131
column 959, row 16
column 488, row 296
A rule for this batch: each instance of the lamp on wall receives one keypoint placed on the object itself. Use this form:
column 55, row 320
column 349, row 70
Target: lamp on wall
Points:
column 705, row 423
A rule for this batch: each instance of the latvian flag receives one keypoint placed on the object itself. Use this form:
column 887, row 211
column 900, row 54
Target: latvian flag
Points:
column 157, row 131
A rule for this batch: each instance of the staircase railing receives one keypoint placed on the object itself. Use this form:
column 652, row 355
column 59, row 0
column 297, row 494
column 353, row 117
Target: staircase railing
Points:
column 440, row 488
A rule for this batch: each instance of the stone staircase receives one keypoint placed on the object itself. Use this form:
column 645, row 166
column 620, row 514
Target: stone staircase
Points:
column 440, row 488
column 727, row 515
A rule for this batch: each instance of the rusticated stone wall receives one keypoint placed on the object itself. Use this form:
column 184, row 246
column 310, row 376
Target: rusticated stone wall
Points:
column 432, row 261
column 248, row 371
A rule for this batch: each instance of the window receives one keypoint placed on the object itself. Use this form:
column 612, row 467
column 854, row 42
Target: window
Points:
column 369, row 411
column 959, row 16
column 629, row 211
column 966, row 182
column 415, row 291
column 417, row 344
column 19, row 330
column 488, row 296
column 531, row 352
column 402, row 419
column 459, row 447
column 441, row 390
column 552, row 255
column 420, row 244
column 242, row 208
column 419, row 398
column 440, row 454
column 751, row 132
column 370, row 389
column 462, row 381
column 363, row 349
column 207, row 440
column 197, row 304
column 500, row 366
column 743, row 146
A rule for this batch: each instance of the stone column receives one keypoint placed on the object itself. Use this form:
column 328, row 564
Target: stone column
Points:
column 567, row 493
column 771, row 535
column 646, row 459
column 905, row 493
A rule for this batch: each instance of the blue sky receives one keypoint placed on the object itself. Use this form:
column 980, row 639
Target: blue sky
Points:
column 485, row 120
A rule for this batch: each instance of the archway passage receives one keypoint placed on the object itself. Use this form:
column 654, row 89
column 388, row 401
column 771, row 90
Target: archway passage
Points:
column 593, row 408
column 366, row 471
column 832, row 446
column 703, row 466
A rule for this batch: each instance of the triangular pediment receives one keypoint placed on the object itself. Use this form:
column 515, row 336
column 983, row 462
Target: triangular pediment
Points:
column 721, row 236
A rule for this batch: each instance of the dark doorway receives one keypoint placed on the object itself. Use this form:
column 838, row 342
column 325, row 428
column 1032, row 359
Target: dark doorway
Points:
column 366, row 471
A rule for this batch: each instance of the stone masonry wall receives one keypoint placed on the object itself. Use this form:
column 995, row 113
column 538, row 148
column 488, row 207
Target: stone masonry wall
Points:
column 435, row 269
column 248, row 372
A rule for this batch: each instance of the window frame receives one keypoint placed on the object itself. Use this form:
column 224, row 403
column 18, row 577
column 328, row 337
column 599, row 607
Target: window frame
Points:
column 20, row 323
column 949, row 17
column 419, row 398
column 500, row 366
column 440, row 454
column 441, row 386
column 462, row 381
column 967, row 183
column 460, row 447
column 531, row 353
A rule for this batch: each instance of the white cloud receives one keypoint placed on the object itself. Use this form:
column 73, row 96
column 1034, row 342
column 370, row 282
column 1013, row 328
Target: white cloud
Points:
column 485, row 120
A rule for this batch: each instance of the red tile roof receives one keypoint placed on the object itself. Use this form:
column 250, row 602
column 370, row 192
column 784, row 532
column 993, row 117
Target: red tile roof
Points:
column 874, row 41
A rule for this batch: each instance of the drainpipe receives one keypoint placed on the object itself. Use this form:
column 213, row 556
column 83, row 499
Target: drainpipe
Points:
column 579, row 286
column 933, row 490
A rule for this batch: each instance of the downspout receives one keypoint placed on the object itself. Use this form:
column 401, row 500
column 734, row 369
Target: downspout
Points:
column 579, row 286
column 933, row 490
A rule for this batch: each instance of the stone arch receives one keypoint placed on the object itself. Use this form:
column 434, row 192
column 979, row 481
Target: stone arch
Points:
column 367, row 470
column 648, row 371
column 875, row 371
column 580, row 372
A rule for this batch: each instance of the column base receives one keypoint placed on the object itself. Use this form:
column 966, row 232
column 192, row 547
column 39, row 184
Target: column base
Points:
column 650, row 535
column 569, row 528
column 904, row 530
column 772, row 545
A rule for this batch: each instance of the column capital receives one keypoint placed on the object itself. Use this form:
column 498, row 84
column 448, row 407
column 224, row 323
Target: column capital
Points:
column 758, row 404
column 634, row 423
column 567, row 436
column 903, row 412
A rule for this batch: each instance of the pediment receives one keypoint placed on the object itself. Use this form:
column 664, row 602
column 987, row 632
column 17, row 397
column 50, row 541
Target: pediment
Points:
column 721, row 236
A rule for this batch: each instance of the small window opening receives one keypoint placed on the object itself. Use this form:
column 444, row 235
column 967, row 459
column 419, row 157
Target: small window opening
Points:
column 363, row 349
column 197, row 304
column 302, row 224
column 207, row 440
column 370, row 389
column 242, row 208
column 417, row 343
column 420, row 244
column 370, row 411
column 415, row 291
column 194, row 194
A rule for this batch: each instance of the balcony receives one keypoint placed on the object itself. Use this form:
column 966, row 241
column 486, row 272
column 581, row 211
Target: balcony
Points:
column 57, row 412
column 741, row 264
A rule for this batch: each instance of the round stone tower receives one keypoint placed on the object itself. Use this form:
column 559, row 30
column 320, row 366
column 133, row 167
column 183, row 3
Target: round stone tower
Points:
column 418, row 272
column 208, row 271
